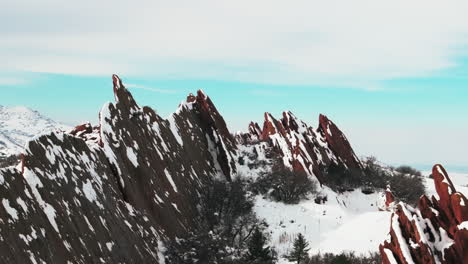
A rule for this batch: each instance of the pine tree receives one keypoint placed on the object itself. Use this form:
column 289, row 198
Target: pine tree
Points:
column 258, row 252
column 300, row 250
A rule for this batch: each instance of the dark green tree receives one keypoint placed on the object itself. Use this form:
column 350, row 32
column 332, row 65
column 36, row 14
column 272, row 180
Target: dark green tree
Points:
column 258, row 252
column 300, row 250
column 341, row 259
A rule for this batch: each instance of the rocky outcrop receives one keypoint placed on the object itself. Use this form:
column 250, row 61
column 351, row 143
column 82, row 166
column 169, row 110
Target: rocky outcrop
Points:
column 434, row 232
column 387, row 201
column 204, row 136
column 302, row 148
column 113, row 193
column 338, row 143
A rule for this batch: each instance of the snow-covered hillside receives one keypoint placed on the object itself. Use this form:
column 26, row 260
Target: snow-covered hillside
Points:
column 19, row 124
column 346, row 222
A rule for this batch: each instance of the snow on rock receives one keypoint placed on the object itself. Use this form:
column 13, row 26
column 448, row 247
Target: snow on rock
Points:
column 387, row 200
column 300, row 147
column 10, row 210
column 430, row 233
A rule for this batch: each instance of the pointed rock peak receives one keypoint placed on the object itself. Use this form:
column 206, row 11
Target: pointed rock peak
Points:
column 121, row 94
column 289, row 115
column 254, row 129
column 443, row 184
column 337, row 142
column 268, row 117
column 201, row 94
column 323, row 120
column 290, row 121
column 117, row 82
column 269, row 126
column 389, row 198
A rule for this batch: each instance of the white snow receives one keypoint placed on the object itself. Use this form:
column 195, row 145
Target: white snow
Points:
column 463, row 225
column 88, row 191
column 346, row 222
column 175, row 129
column 109, row 245
column 132, row 157
column 34, row 183
column 161, row 251
column 20, row 124
column 390, row 256
column 10, row 210
column 169, row 178
column 22, row 204
column 401, row 240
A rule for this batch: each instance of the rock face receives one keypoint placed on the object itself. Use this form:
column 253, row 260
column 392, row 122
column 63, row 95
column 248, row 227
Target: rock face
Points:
column 434, row 232
column 115, row 192
column 301, row 147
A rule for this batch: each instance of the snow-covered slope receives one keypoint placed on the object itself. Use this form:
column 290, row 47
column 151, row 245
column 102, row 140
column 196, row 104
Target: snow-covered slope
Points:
column 346, row 222
column 19, row 124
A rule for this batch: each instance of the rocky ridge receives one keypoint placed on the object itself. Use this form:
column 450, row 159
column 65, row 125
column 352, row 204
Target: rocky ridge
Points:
column 434, row 232
column 117, row 191
column 301, row 147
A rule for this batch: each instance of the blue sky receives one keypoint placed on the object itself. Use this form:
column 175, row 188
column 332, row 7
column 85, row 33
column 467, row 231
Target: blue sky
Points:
column 392, row 75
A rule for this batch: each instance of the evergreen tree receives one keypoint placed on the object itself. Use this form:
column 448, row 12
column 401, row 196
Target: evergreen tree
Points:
column 341, row 259
column 300, row 250
column 258, row 252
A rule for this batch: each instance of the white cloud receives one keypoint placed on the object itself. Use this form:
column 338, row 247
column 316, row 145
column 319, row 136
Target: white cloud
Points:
column 327, row 42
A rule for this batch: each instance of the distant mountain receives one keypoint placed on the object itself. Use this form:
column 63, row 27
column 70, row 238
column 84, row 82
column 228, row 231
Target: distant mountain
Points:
column 19, row 124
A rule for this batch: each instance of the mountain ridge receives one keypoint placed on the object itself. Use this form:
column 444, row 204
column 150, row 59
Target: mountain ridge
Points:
column 120, row 190
column 19, row 124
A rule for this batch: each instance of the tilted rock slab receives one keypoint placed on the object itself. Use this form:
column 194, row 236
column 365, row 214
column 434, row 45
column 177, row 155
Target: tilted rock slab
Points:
column 434, row 232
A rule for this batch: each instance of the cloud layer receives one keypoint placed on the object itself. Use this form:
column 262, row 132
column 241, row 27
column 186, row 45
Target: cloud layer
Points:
column 348, row 43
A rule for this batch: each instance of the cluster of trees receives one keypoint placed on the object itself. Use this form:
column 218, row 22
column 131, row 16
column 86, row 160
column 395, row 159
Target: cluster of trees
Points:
column 342, row 179
column 227, row 231
column 407, row 183
column 300, row 255
column 284, row 185
column 344, row 258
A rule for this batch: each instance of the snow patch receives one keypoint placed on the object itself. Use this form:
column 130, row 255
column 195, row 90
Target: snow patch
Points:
column 169, row 178
column 10, row 210
column 132, row 157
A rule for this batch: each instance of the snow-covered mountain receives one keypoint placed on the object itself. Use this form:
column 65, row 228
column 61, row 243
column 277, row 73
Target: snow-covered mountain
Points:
column 19, row 124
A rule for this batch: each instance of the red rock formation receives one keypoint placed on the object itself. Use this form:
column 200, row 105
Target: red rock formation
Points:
column 389, row 198
column 386, row 201
column 300, row 147
column 82, row 129
column 434, row 232
column 211, row 126
column 87, row 132
column 338, row 142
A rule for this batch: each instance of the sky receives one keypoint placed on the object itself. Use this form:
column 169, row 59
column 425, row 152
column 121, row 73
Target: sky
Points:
column 393, row 75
